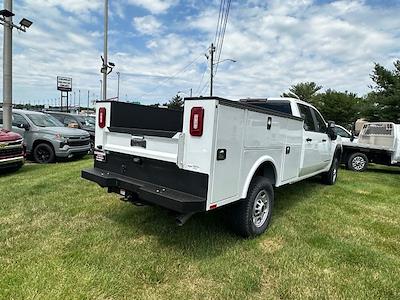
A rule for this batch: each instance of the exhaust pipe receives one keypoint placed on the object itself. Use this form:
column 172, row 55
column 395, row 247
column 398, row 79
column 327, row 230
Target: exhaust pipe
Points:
column 183, row 218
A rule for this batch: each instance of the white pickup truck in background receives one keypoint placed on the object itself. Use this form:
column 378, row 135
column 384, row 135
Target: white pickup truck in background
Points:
column 377, row 143
column 214, row 153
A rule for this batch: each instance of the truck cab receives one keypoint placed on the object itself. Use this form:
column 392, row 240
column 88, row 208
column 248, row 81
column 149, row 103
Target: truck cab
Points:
column 213, row 153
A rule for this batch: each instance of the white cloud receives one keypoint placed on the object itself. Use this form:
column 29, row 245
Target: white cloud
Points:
column 147, row 25
column 276, row 45
column 154, row 6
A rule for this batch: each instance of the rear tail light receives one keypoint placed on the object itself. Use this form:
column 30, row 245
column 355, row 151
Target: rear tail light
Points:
column 197, row 121
column 102, row 117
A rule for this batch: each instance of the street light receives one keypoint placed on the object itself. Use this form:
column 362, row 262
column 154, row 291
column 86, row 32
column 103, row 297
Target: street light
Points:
column 25, row 23
column 6, row 20
column 190, row 94
column 228, row 59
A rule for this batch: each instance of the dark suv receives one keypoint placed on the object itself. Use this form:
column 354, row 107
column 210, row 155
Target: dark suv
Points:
column 87, row 123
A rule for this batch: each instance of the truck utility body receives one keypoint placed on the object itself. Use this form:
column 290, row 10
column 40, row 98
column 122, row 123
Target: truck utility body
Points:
column 377, row 143
column 210, row 154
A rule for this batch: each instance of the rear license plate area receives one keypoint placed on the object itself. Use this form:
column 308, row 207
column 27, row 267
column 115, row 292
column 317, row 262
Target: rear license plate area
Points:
column 100, row 156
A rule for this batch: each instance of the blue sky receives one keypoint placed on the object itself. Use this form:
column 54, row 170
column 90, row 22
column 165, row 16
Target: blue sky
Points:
column 276, row 44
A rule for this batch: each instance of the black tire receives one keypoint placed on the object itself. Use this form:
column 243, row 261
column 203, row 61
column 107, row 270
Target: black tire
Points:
column 357, row 162
column 43, row 154
column 330, row 177
column 244, row 219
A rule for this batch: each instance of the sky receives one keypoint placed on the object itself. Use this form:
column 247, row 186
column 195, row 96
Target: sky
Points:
column 276, row 44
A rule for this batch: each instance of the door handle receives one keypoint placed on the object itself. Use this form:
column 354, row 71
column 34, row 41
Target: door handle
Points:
column 308, row 140
column 324, row 141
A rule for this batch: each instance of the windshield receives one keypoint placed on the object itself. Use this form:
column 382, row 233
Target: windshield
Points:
column 44, row 120
column 86, row 121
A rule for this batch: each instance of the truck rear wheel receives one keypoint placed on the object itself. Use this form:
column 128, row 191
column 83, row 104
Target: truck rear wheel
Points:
column 251, row 217
column 357, row 162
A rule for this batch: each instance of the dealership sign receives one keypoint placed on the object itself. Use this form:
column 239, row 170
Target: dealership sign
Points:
column 64, row 84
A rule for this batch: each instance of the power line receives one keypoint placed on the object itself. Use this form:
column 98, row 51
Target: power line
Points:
column 201, row 81
column 174, row 75
column 223, row 31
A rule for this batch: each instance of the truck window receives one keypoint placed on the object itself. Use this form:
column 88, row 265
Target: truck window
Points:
column 320, row 123
column 279, row 106
column 342, row 133
column 306, row 114
column 17, row 120
column 58, row 117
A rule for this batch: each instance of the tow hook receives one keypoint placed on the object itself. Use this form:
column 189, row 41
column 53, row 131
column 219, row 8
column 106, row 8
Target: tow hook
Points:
column 131, row 199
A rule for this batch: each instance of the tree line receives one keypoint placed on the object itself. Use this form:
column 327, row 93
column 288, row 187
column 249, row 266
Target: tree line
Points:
column 382, row 103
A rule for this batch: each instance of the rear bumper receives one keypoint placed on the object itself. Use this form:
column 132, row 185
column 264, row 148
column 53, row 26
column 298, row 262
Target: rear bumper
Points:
column 147, row 192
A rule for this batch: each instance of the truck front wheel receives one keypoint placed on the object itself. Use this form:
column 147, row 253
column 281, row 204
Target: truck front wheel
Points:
column 251, row 217
column 43, row 154
column 330, row 177
column 357, row 162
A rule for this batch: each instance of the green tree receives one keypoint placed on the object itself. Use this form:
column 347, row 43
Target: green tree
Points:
column 176, row 102
column 306, row 91
column 343, row 108
column 383, row 103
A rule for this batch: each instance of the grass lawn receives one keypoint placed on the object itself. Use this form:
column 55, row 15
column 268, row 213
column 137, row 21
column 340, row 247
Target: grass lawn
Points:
column 63, row 237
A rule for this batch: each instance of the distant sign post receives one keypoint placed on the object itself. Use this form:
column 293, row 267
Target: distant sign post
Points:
column 64, row 85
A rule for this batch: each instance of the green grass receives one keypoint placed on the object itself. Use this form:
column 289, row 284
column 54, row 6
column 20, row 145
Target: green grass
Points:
column 62, row 237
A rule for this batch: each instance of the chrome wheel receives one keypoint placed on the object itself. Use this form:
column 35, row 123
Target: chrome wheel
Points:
column 358, row 163
column 261, row 209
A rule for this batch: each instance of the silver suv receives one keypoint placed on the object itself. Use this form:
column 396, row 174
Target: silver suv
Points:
column 46, row 138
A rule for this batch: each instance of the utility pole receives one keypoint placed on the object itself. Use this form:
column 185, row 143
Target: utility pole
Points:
column 119, row 76
column 7, row 70
column 191, row 92
column 105, row 63
column 7, row 21
column 79, row 101
column 88, row 100
column 212, row 51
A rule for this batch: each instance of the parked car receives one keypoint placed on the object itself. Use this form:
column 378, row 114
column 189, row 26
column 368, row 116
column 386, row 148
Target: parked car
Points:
column 86, row 123
column 377, row 143
column 215, row 153
column 346, row 135
column 12, row 154
column 46, row 138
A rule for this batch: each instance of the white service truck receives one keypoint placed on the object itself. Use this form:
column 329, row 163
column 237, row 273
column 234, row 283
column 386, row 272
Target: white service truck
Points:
column 214, row 153
column 377, row 143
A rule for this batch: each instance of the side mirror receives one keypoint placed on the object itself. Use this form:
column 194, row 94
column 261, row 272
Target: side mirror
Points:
column 352, row 138
column 24, row 126
column 331, row 130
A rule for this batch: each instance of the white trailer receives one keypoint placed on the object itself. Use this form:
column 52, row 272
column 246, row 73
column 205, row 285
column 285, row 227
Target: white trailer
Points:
column 377, row 143
column 215, row 153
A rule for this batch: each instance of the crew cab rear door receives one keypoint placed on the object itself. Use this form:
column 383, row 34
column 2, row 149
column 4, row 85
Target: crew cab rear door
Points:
column 315, row 143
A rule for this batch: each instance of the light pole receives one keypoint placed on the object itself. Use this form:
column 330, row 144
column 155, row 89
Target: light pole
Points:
column 119, row 77
column 6, row 20
column 79, row 101
column 105, row 60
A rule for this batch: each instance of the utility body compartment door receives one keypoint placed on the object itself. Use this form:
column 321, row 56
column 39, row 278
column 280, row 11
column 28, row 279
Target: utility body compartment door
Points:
column 227, row 156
